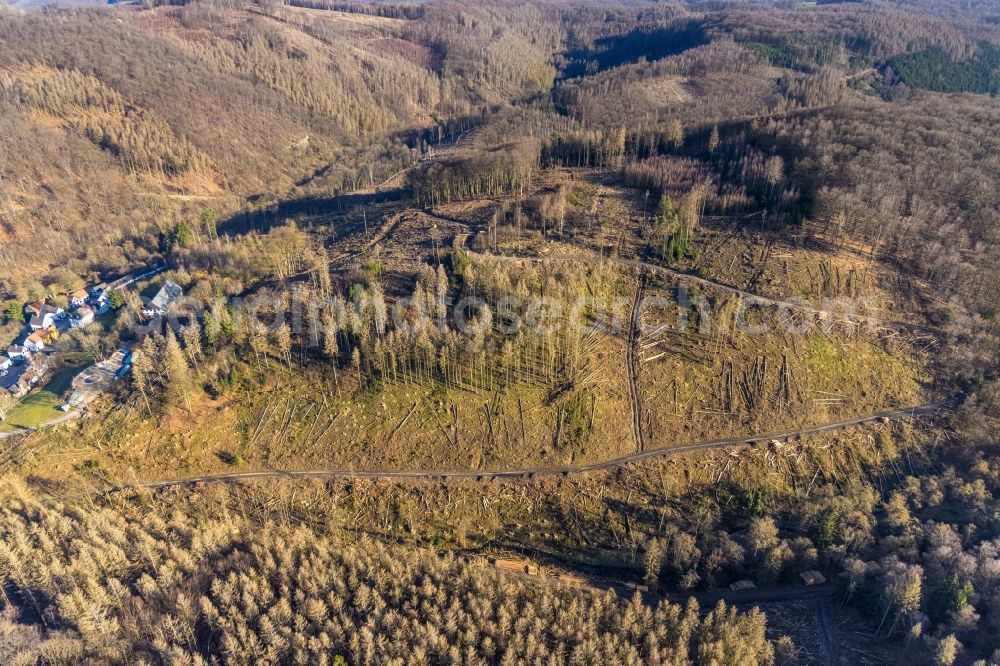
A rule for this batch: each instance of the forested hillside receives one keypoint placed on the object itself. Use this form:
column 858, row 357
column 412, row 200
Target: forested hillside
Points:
column 548, row 331
column 253, row 101
column 126, row 589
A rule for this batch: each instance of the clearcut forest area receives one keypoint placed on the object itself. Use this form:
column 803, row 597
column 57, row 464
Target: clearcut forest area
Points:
column 506, row 332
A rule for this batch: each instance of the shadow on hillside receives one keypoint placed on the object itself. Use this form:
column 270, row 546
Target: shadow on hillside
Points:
column 617, row 50
column 261, row 216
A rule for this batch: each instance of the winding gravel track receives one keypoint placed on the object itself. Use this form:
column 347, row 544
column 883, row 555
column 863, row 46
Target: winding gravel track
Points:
column 485, row 476
column 799, row 306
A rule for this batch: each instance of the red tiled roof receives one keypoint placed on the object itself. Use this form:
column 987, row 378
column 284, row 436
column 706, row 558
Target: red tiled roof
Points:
column 43, row 335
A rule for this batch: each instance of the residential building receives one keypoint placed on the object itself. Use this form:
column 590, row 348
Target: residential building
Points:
column 40, row 339
column 46, row 316
column 98, row 291
column 164, row 299
column 32, row 309
column 18, row 353
column 30, row 377
column 102, row 303
column 35, row 342
column 77, row 298
column 82, row 316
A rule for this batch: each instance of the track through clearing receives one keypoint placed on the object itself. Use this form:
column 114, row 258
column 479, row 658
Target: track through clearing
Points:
column 633, row 371
column 486, row 476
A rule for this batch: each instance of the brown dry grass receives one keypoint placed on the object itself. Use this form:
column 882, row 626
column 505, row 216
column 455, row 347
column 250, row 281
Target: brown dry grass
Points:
column 829, row 376
column 664, row 90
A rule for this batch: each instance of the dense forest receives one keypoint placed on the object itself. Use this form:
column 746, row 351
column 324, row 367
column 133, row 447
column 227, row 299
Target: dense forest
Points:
column 119, row 588
column 934, row 70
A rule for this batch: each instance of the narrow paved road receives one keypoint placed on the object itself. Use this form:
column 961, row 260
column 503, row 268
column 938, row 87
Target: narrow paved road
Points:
column 484, row 476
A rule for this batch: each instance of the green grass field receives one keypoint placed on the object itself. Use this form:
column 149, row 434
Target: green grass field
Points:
column 43, row 406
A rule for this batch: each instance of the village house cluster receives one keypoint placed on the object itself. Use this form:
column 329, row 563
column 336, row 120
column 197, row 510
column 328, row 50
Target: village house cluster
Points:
column 46, row 321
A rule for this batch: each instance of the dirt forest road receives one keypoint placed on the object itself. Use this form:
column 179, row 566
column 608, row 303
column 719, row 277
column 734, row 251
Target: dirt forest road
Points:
column 799, row 306
column 635, row 397
column 486, row 476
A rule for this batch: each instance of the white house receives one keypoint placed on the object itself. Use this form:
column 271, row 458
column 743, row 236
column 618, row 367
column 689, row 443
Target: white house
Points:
column 82, row 316
column 17, row 353
column 77, row 298
column 102, row 303
column 5, row 364
column 35, row 342
column 46, row 316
